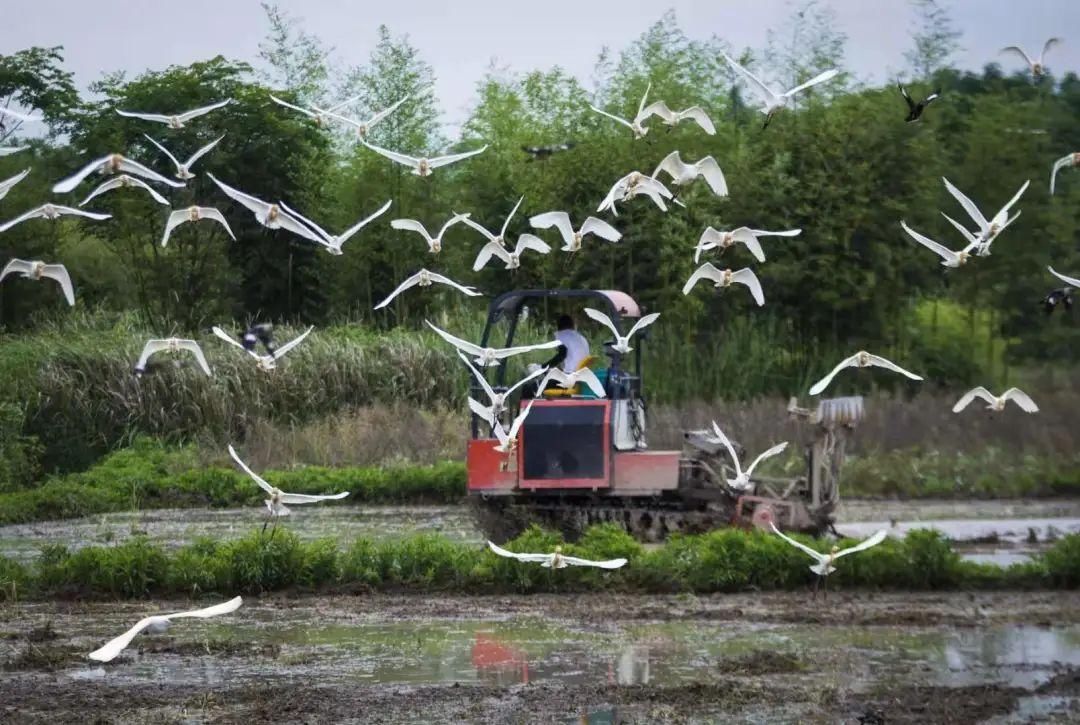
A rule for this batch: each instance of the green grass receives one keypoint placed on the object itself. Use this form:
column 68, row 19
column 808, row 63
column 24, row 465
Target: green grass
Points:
column 729, row 560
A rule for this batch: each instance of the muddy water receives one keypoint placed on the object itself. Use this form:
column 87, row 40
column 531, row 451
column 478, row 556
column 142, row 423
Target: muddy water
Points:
column 350, row 643
column 1008, row 521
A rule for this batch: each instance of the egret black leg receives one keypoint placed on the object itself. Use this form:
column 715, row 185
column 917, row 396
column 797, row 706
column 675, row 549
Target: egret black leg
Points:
column 817, row 582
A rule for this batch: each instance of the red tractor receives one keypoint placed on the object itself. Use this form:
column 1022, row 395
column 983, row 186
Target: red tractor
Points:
column 581, row 459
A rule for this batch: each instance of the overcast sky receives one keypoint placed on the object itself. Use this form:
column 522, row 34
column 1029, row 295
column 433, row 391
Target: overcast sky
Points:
column 461, row 38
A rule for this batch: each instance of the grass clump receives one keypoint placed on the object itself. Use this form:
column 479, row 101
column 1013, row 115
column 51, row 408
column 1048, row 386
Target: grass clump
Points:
column 729, row 560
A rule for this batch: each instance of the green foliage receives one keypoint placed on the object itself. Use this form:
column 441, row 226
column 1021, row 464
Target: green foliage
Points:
column 149, row 475
column 729, row 560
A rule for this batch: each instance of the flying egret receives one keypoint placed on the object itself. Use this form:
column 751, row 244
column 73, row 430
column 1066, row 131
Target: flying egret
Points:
column 333, row 243
column 682, row 173
column 1037, row 65
column 276, row 504
column 949, row 258
column 568, row 380
column 499, row 238
column 159, row 623
column 425, row 278
column 178, row 120
column 572, row 239
column 556, row 560
column 742, row 481
column 125, row 182
column 434, row 243
column 634, row 184
column 422, row 165
column 497, row 401
column 490, row 356
column 271, row 216
column 267, row 362
column 112, row 164
column 508, row 438
column 510, row 257
column 714, row 239
column 622, row 342
column 824, row 567
column 194, row 214
column 171, row 344
column 7, row 184
column 861, row 359
column 1071, row 281
column 771, row 100
column 38, row 270
column 988, row 230
column 996, row 403
column 183, row 170
column 673, row 118
column 635, row 126
column 52, row 212
column 722, row 278
column 363, row 128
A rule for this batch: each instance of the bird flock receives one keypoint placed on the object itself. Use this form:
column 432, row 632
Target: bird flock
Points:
column 126, row 174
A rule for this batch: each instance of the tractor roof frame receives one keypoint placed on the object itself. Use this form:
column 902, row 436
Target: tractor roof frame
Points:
column 509, row 305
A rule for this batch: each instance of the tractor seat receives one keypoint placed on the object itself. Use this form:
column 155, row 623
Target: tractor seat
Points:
column 576, row 391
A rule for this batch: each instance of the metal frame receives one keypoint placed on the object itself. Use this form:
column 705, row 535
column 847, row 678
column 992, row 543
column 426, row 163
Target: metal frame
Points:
column 496, row 312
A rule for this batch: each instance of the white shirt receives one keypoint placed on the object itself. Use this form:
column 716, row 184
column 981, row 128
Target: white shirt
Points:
column 577, row 348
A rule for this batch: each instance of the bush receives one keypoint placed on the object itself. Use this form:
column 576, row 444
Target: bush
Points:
column 729, row 560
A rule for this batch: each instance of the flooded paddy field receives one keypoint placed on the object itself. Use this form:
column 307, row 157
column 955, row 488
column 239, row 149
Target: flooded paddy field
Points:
column 777, row 657
column 1002, row 532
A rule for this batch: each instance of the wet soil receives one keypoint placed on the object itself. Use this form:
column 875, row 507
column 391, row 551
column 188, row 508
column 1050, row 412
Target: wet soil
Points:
column 809, row 686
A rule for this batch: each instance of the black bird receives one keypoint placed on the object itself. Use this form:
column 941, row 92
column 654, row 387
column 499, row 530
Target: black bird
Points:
column 263, row 333
column 915, row 110
column 543, row 152
column 1062, row 295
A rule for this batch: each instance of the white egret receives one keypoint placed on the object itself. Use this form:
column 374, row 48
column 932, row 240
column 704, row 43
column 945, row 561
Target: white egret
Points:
column 988, row 230
column 1037, row 65
column 434, row 243
column 333, row 243
column 572, row 239
column 683, row 173
column 171, row 344
column 635, row 125
column 112, row 164
column 425, row 278
column 861, row 359
column 949, row 258
column 7, row 184
column 422, row 165
column 267, row 362
column 725, row 278
column 1072, row 160
column 824, row 567
column 499, row 238
column 714, row 239
column 622, row 342
column 38, row 270
column 52, row 212
column 742, row 481
column 178, row 120
column 271, row 216
column 276, row 504
column 996, row 403
column 194, row 214
column 125, row 182
column 511, row 257
column 556, row 560
column 490, row 356
column 492, row 412
column 183, row 170
column 771, row 100
column 159, row 623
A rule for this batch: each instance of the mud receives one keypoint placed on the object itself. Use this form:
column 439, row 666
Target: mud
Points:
column 777, row 658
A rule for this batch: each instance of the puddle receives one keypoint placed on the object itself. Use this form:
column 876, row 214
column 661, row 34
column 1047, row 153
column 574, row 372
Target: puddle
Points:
column 339, row 646
column 1011, row 530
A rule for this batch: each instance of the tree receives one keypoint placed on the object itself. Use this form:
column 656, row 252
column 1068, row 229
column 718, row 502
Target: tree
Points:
column 35, row 79
column 935, row 40
column 298, row 61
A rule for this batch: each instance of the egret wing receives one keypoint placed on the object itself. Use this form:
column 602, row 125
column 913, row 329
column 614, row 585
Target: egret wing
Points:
column 730, row 448
column 203, row 151
column 298, row 498
column 747, row 277
column 642, row 323
column 488, row 390
column 698, row 115
column 17, row 266
column 591, row 381
column 673, row 165
column 506, row 222
column 520, row 420
column 979, row 392
column 451, row 158
column 69, row 184
column 969, row 206
column 115, row 646
column 229, row 339
column 464, row 346
column 824, row 382
column 903, row 91
column 1022, row 399
column 1072, row 281
column 442, row 279
column 968, row 236
column 1058, row 166
column 535, row 558
column 475, row 225
column 489, row 250
column 193, row 347
column 258, row 206
column 176, row 161
column 7, row 184
column 598, row 316
column 939, row 249
column 348, row 233
column 561, row 221
column 408, row 283
column 79, row 212
column 256, row 477
column 533, row 242
column 1046, row 47
column 705, row 271
column 1016, row 49
column 713, row 175
column 384, row 113
column 613, row 117
column 888, row 365
column 175, row 219
column 658, row 109
column 202, row 111
column 484, row 413
column 600, row 228
column 411, row 225
column 763, row 91
column 819, row 78
column 872, row 541
column 451, row 222
column 750, row 240
column 59, row 273
column 778, row 448
column 798, row 545
column 504, row 352
column 609, row 564
column 33, row 213
column 1016, row 198
column 293, row 342
column 217, row 610
column 155, row 117
column 394, row 156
